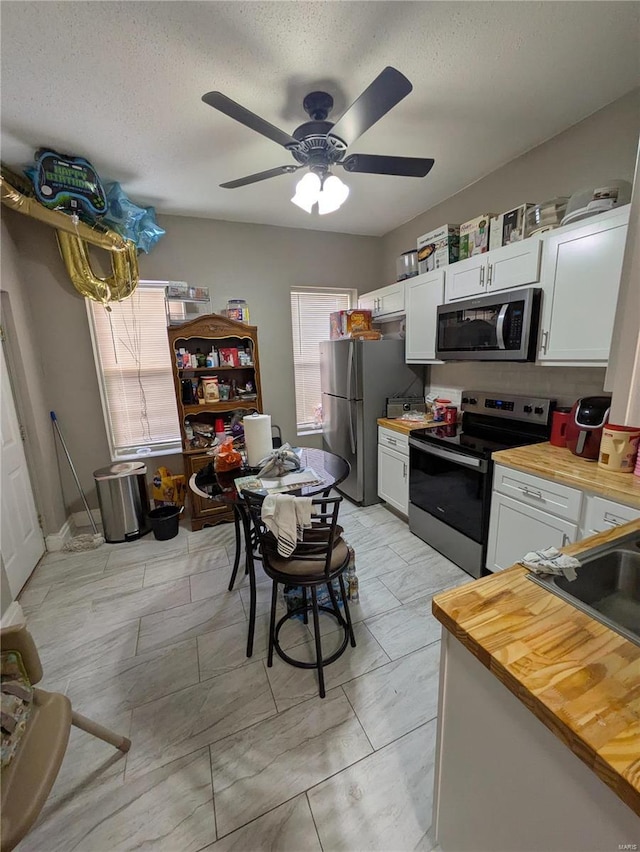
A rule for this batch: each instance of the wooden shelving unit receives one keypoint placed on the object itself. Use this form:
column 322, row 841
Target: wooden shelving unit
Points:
column 212, row 330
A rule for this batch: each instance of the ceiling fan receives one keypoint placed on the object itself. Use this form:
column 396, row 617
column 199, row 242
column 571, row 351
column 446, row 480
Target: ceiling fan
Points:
column 321, row 145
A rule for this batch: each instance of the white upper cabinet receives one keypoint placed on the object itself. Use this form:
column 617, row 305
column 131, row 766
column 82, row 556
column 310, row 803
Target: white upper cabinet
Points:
column 581, row 269
column 385, row 302
column 466, row 278
column 423, row 294
column 516, row 265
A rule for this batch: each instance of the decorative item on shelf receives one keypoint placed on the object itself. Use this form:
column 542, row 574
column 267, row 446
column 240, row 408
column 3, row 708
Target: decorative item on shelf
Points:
column 201, row 358
column 211, row 389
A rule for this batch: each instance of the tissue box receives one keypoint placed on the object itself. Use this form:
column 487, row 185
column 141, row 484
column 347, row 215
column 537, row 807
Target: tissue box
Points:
column 344, row 323
column 474, row 236
column 438, row 248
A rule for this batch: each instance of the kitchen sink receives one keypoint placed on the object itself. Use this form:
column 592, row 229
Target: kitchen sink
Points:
column 607, row 586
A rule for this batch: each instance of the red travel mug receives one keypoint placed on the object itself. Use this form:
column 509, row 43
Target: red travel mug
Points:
column 450, row 414
column 559, row 427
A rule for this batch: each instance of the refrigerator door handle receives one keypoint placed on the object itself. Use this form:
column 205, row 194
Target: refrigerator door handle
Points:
column 349, row 370
column 352, row 435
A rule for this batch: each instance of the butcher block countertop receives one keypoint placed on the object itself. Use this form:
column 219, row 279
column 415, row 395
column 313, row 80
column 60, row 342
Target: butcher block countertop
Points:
column 581, row 679
column 405, row 426
column 561, row 465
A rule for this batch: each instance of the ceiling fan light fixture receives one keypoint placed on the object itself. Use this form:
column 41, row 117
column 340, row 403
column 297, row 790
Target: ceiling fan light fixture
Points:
column 334, row 194
column 307, row 191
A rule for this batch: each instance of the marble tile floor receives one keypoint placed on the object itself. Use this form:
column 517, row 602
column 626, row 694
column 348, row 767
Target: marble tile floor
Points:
column 227, row 753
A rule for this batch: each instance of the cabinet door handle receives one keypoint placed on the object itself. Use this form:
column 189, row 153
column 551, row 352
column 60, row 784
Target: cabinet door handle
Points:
column 482, row 276
column 531, row 492
column 610, row 520
column 489, row 275
column 545, row 341
column 404, row 469
column 392, row 441
column 565, row 540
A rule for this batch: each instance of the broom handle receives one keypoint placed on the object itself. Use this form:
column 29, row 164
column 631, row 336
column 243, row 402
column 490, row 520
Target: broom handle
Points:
column 73, row 471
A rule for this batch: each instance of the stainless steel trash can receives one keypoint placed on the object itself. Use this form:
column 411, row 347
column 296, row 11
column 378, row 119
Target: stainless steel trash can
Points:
column 124, row 501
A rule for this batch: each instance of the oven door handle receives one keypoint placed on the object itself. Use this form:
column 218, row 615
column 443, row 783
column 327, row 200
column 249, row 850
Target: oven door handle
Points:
column 500, row 325
column 456, row 458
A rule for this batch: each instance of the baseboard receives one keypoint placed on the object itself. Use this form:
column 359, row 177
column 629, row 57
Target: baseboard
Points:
column 56, row 541
column 81, row 519
column 13, row 615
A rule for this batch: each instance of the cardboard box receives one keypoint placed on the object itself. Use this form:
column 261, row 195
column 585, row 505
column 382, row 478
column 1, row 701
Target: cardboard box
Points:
column 438, row 248
column 474, row 236
column 344, row 323
column 514, row 224
column 495, row 232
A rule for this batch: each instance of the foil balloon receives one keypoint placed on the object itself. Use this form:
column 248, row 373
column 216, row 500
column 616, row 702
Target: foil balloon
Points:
column 113, row 288
column 74, row 237
column 134, row 223
column 149, row 232
column 64, row 182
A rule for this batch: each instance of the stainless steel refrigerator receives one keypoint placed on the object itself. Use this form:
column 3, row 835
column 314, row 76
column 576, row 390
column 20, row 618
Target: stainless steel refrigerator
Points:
column 357, row 376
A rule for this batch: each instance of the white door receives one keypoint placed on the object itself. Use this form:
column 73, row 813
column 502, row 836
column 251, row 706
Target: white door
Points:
column 423, row 294
column 515, row 265
column 21, row 539
column 515, row 529
column 393, row 479
column 581, row 275
column 466, row 278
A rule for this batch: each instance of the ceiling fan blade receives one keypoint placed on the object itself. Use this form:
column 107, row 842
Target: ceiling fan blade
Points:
column 387, row 90
column 378, row 164
column 281, row 170
column 221, row 102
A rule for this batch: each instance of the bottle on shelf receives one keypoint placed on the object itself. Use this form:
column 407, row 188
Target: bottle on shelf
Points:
column 201, row 358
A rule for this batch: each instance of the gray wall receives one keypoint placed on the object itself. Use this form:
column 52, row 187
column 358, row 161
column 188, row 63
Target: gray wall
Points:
column 254, row 262
column 599, row 148
column 595, row 150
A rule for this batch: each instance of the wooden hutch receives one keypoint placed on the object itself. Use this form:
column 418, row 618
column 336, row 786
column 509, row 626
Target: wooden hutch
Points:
column 208, row 332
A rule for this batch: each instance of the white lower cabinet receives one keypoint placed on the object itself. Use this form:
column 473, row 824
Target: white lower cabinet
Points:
column 516, row 528
column 600, row 515
column 393, row 469
column 531, row 513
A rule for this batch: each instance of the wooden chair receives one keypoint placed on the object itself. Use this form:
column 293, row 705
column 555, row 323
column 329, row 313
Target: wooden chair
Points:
column 29, row 777
column 320, row 558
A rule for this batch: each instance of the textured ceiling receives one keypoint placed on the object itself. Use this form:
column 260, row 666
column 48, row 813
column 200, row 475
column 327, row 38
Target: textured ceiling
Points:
column 120, row 83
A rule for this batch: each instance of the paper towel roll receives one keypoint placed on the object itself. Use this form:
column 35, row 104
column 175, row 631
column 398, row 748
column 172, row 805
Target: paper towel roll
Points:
column 257, row 437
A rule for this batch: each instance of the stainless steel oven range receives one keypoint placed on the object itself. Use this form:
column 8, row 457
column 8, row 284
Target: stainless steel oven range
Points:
column 450, row 471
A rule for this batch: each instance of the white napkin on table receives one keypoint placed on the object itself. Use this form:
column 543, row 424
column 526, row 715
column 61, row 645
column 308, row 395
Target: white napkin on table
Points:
column 286, row 517
column 551, row 561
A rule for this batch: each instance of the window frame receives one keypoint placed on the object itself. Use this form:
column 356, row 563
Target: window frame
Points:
column 352, row 294
column 142, row 451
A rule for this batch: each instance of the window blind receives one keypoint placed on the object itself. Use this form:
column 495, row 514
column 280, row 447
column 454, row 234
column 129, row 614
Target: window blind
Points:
column 135, row 374
column 310, row 309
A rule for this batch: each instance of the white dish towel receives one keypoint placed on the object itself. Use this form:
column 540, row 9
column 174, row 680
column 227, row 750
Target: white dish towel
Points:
column 286, row 517
column 551, row 561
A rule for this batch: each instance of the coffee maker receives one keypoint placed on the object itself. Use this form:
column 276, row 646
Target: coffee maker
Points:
column 584, row 429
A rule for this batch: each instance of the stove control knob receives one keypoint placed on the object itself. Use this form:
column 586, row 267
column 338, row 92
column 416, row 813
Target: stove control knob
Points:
column 527, row 409
column 538, row 409
column 465, row 399
column 473, row 400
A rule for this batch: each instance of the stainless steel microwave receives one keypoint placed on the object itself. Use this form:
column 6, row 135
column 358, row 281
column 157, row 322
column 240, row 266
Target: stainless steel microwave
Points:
column 503, row 327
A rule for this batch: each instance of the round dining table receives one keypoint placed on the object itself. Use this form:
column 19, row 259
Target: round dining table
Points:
column 220, row 486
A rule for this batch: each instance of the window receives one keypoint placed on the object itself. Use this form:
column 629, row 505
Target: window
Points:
column 310, row 309
column 134, row 370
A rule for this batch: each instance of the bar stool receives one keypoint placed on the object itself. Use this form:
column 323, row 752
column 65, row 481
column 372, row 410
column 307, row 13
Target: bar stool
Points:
column 319, row 559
